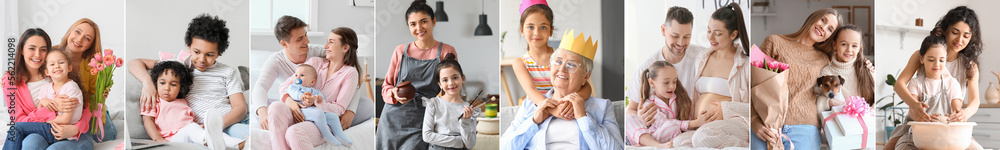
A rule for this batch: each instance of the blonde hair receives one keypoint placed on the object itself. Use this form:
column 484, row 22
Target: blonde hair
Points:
column 94, row 47
column 72, row 75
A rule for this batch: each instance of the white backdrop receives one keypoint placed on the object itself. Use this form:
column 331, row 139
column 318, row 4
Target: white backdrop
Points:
column 56, row 16
column 642, row 26
column 155, row 26
column 902, row 13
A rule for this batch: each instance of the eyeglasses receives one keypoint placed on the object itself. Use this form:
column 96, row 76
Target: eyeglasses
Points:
column 571, row 66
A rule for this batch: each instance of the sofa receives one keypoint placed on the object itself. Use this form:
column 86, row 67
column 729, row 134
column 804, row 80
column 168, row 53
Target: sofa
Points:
column 361, row 132
column 136, row 130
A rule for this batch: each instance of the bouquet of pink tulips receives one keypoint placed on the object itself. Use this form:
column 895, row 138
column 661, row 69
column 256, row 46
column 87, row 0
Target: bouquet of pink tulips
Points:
column 768, row 82
column 103, row 65
column 774, row 66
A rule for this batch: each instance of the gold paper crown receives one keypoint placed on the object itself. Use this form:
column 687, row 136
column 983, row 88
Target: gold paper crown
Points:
column 578, row 45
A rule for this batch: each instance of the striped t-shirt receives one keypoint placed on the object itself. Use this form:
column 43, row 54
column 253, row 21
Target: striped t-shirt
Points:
column 211, row 89
column 539, row 73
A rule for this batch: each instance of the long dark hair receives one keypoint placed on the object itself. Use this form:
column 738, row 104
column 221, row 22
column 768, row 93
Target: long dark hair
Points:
column 865, row 80
column 683, row 101
column 963, row 14
column 815, row 16
column 419, row 6
column 732, row 16
column 347, row 36
column 20, row 68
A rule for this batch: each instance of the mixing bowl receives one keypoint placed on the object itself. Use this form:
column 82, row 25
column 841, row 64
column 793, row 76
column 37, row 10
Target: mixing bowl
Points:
column 937, row 135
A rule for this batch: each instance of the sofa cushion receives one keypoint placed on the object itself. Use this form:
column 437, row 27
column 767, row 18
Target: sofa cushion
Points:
column 366, row 110
column 133, row 90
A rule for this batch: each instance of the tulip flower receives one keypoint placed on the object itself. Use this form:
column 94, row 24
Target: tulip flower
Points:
column 119, row 62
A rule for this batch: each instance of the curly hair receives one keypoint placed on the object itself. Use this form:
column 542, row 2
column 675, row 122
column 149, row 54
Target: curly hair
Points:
column 968, row 16
column 183, row 73
column 208, row 28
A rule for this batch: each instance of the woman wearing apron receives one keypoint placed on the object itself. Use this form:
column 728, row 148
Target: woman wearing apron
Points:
column 400, row 123
column 961, row 29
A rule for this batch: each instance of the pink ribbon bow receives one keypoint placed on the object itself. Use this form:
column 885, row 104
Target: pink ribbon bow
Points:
column 856, row 107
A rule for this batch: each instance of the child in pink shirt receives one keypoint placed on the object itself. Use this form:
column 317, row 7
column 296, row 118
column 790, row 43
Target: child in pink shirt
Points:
column 57, row 68
column 672, row 108
column 172, row 119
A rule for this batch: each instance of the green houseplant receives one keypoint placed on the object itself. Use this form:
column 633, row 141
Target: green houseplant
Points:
column 894, row 116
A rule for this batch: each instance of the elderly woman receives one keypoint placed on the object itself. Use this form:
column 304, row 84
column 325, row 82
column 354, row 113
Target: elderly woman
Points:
column 593, row 125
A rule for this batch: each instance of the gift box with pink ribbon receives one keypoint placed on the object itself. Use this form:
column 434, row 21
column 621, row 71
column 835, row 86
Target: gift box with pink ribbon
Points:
column 850, row 126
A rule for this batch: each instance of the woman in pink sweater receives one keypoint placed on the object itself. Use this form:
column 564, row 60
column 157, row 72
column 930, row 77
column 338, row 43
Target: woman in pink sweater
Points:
column 338, row 80
column 27, row 77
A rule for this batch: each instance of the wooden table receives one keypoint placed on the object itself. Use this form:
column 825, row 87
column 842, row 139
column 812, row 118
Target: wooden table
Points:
column 507, row 62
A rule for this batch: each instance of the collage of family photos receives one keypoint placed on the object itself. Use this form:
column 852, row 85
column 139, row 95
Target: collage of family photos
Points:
column 500, row 74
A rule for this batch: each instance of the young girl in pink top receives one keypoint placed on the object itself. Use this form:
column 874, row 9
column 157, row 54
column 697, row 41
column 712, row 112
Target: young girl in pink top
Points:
column 670, row 106
column 172, row 119
column 62, row 83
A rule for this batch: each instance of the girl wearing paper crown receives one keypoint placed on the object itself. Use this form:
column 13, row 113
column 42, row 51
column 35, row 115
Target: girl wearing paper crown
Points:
column 593, row 125
column 533, row 70
column 401, row 118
